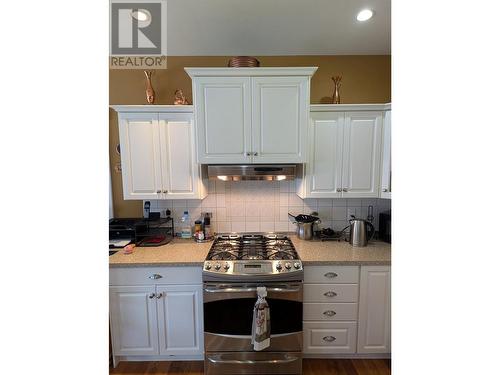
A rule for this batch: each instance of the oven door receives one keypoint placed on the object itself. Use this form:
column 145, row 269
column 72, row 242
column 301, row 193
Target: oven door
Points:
column 228, row 314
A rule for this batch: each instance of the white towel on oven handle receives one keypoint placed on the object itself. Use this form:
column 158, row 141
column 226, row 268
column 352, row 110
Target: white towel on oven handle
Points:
column 261, row 325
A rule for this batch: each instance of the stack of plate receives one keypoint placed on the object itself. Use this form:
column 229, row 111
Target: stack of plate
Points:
column 243, row 62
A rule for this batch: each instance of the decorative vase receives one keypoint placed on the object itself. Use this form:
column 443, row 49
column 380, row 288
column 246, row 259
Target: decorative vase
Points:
column 150, row 93
column 336, row 89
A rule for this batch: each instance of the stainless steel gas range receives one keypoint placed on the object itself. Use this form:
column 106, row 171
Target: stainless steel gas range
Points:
column 235, row 266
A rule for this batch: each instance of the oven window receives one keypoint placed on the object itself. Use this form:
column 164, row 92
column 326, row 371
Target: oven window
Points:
column 234, row 316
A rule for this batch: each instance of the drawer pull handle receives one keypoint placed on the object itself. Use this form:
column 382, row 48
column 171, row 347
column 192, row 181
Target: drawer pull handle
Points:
column 151, row 296
column 329, row 338
column 329, row 313
column 331, row 275
column 155, row 276
column 330, row 294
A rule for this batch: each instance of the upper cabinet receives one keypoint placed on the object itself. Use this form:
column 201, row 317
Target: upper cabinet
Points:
column 344, row 152
column 251, row 115
column 158, row 155
column 386, row 174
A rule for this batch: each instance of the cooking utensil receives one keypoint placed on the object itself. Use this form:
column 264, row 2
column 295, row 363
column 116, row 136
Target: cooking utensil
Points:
column 370, row 214
column 304, row 218
column 359, row 235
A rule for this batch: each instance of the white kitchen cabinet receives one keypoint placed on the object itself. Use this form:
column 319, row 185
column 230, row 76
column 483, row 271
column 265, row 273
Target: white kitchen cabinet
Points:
column 386, row 174
column 180, row 314
column 133, row 318
column 361, row 154
column 344, row 152
column 280, row 113
column 251, row 115
column 223, row 119
column 374, row 321
column 158, row 153
column 156, row 313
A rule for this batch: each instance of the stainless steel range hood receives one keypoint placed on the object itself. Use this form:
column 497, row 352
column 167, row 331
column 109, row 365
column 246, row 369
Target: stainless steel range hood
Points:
column 264, row 172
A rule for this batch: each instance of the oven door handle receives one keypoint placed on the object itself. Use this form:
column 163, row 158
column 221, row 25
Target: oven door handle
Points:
column 246, row 290
column 250, row 361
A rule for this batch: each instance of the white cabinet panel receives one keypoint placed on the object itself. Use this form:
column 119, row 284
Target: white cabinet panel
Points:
column 133, row 320
column 374, row 334
column 279, row 119
column 331, row 274
column 181, row 173
column 325, row 162
column 140, row 155
column 179, row 319
column 330, row 311
column 222, row 115
column 330, row 292
column 386, row 174
column 361, row 154
column 329, row 337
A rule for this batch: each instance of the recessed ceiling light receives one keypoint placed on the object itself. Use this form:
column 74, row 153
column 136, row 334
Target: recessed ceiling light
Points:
column 364, row 15
column 141, row 15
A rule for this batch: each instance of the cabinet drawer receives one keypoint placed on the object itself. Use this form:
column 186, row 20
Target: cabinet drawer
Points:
column 330, row 292
column 330, row 337
column 154, row 275
column 331, row 274
column 330, row 311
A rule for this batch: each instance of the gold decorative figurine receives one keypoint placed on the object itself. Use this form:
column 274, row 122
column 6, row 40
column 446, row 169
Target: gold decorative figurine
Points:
column 336, row 90
column 150, row 93
column 179, row 98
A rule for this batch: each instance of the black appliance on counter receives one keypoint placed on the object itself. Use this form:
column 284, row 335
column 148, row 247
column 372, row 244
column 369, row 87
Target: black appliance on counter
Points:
column 384, row 226
column 140, row 231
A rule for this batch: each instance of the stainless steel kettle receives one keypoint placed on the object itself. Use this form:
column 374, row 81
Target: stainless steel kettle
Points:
column 359, row 235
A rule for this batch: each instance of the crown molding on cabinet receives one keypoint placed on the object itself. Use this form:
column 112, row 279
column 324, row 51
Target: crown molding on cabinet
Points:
column 156, row 108
column 251, row 72
column 349, row 107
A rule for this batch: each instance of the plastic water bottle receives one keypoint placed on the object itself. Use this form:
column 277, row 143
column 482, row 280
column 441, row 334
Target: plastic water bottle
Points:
column 186, row 225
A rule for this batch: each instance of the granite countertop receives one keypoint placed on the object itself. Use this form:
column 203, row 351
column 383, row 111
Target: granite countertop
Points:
column 342, row 253
column 178, row 252
column 181, row 252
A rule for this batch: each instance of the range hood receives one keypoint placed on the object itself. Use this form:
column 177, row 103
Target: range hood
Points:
column 264, row 172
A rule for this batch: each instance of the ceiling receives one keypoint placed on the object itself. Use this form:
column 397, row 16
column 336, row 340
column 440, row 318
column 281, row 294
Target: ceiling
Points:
column 277, row 27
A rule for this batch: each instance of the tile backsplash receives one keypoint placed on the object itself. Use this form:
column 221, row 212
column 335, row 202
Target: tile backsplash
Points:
column 263, row 206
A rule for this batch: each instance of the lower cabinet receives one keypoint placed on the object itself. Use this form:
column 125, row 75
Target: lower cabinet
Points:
column 346, row 310
column 374, row 332
column 158, row 319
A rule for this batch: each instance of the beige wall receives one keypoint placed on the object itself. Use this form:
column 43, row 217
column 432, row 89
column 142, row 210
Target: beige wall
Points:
column 366, row 79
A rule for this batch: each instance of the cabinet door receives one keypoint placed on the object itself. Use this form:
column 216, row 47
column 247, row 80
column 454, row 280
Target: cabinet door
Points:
column 180, row 319
column 222, row 115
column 280, row 115
column 374, row 333
column 324, row 166
column 140, row 155
column 133, row 320
column 386, row 174
column 180, row 172
column 361, row 154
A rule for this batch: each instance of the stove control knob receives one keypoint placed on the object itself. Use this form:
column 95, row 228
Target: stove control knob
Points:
column 217, row 266
column 278, row 266
column 288, row 265
column 296, row 265
column 208, row 266
column 226, row 266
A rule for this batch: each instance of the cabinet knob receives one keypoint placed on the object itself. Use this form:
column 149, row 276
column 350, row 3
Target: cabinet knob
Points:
column 152, row 295
column 329, row 338
column 339, row 190
column 249, row 153
column 155, row 276
column 330, row 294
column 165, row 191
column 344, row 190
column 331, row 275
column 255, row 153
column 385, row 190
column 158, row 191
column 158, row 296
